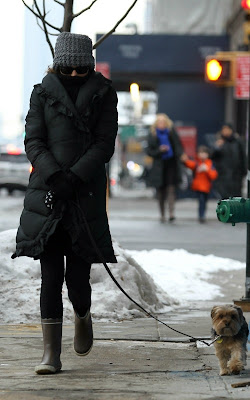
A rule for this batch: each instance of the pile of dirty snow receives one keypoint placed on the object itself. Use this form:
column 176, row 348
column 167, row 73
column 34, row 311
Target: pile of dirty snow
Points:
column 153, row 278
column 20, row 287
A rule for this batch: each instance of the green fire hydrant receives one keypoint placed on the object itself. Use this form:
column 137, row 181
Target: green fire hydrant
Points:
column 233, row 210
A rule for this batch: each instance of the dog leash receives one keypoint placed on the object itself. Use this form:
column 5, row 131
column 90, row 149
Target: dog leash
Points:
column 49, row 202
column 102, row 260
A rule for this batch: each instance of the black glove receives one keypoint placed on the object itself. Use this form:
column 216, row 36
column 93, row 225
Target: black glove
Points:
column 73, row 178
column 60, row 184
column 81, row 188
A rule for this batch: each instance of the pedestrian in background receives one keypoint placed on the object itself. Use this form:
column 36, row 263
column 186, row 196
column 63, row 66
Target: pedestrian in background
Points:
column 204, row 174
column 70, row 129
column 229, row 156
column 165, row 147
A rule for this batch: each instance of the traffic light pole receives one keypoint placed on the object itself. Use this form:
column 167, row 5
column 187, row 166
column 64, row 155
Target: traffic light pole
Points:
column 248, row 195
column 244, row 302
column 237, row 209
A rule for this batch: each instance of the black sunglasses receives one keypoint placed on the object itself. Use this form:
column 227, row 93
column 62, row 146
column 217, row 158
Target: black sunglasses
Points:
column 69, row 70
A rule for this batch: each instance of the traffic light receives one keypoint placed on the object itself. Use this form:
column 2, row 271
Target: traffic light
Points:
column 245, row 4
column 220, row 69
column 246, row 25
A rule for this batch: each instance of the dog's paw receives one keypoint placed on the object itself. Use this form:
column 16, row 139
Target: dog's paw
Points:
column 224, row 371
column 235, row 366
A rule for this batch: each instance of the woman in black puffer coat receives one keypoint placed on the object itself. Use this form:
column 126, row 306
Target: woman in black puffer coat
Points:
column 70, row 134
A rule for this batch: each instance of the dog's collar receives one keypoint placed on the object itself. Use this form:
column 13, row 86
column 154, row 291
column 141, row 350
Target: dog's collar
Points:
column 217, row 338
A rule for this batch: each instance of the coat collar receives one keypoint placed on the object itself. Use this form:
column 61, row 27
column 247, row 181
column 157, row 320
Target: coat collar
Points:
column 96, row 85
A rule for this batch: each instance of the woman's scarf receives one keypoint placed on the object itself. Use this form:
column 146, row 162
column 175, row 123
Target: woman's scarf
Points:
column 163, row 136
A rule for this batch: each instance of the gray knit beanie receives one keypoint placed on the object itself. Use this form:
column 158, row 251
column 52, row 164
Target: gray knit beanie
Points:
column 73, row 50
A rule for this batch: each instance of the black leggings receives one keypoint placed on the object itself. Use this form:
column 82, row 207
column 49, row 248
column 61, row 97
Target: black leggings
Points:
column 53, row 273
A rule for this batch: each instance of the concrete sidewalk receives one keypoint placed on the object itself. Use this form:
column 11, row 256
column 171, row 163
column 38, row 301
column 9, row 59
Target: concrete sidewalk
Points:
column 138, row 359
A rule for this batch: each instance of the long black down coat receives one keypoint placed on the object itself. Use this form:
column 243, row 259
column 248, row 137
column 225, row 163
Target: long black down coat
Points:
column 79, row 138
column 155, row 176
column 231, row 163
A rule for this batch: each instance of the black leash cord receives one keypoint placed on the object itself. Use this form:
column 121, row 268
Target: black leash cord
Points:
column 102, row 260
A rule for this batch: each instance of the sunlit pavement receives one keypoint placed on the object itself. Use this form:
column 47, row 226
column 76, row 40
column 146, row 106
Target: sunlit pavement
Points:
column 137, row 359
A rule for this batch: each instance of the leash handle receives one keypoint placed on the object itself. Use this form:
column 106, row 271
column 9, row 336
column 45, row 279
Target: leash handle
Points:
column 102, row 260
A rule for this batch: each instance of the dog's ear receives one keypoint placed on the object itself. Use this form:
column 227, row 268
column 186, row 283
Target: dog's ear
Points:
column 213, row 311
column 240, row 312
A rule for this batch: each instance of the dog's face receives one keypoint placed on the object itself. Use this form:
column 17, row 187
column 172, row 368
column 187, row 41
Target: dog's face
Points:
column 227, row 320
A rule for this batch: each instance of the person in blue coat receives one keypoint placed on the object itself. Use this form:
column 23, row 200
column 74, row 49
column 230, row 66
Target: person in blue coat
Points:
column 165, row 148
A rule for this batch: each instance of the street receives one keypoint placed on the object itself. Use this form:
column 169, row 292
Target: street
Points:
column 134, row 223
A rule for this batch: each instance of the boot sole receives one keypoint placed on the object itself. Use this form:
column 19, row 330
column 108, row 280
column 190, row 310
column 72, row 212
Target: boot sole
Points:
column 84, row 354
column 46, row 369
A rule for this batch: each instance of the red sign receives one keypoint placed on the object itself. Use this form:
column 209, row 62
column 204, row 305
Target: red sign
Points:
column 245, row 4
column 188, row 137
column 242, row 84
column 104, row 68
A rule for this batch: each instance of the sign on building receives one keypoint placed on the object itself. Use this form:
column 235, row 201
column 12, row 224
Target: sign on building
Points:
column 104, row 68
column 188, row 137
column 242, row 84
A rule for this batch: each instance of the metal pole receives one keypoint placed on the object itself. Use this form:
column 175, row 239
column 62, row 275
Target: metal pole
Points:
column 248, row 195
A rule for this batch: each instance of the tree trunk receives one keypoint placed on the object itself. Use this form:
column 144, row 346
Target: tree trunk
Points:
column 68, row 16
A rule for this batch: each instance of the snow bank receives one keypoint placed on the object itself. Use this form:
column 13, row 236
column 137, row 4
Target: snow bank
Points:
column 153, row 278
column 20, row 287
column 184, row 275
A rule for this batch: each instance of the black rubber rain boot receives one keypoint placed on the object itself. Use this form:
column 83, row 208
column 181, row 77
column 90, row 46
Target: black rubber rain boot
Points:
column 83, row 340
column 52, row 339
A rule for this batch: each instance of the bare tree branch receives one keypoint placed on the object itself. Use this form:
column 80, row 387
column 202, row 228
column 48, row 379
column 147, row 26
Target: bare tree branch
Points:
column 26, row 5
column 41, row 17
column 114, row 28
column 52, row 26
column 58, row 2
column 85, row 9
column 50, row 33
column 68, row 18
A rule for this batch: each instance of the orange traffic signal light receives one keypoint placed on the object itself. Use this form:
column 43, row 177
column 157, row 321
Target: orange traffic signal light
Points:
column 213, row 69
column 220, row 69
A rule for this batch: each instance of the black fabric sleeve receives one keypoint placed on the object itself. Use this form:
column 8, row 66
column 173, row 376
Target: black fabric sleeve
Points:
column 244, row 166
column 103, row 146
column 153, row 148
column 36, row 148
column 178, row 148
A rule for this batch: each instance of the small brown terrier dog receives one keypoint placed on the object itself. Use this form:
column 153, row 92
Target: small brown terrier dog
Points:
column 231, row 348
